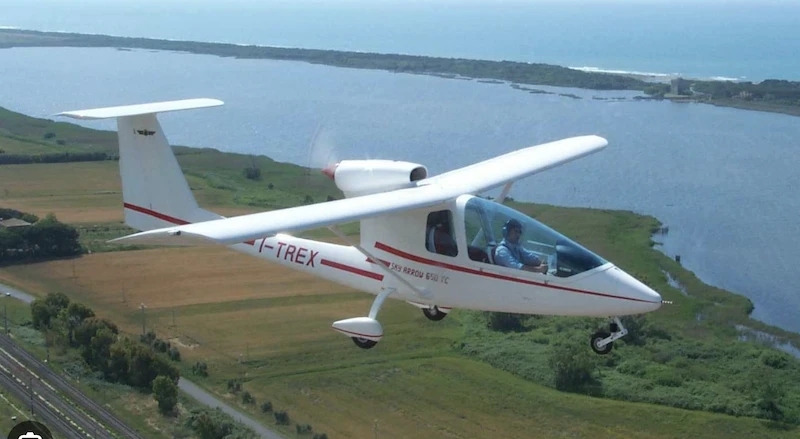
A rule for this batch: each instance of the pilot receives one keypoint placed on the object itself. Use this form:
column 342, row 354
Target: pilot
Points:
column 439, row 237
column 510, row 253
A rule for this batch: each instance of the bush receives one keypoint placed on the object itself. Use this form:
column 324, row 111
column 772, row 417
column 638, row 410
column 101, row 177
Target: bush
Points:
column 166, row 393
column 159, row 345
column 214, row 424
column 148, row 338
column 775, row 360
column 301, row 429
column 573, row 367
column 281, row 417
column 234, row 386
column 44, row 311
column 200, row 369
column 266, row 407
column 252, row 173
column 247, row 398
column 632, row 366
column 665, row 377
column 320, row 436
column 505, row 322
column 174, row 354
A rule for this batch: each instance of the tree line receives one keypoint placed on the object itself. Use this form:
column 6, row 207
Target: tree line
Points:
column 45, row 239
column 116, row 358
column 59, row 157
column 771, row 90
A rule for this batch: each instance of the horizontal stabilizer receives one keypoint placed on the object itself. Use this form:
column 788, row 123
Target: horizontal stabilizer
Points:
column 139, row 109
column 170, row 237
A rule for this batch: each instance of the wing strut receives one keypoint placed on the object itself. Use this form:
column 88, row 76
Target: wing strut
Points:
column 422, row 293
column 504, row 194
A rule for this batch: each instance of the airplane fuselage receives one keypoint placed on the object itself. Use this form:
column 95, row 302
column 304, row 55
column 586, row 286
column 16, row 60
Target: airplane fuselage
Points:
column 453, row 284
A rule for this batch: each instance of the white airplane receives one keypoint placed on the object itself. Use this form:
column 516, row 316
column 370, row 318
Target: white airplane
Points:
column 429, row 241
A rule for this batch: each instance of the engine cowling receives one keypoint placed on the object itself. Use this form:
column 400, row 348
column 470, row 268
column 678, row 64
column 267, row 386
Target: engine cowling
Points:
column 364, row 177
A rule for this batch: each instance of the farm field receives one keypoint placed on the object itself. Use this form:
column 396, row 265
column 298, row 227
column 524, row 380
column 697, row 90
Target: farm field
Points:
column 271, row 328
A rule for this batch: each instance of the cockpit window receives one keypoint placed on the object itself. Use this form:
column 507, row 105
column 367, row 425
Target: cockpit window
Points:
column 484, row 224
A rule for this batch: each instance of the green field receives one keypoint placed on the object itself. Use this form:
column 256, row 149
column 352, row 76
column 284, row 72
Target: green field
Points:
column 456, row 378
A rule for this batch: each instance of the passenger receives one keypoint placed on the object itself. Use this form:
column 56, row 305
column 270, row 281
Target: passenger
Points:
column 510, row 253
column 440, row 237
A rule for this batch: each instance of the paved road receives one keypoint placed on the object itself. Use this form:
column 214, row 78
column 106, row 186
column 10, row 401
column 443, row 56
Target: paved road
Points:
column 25, row 297
column 211, row 401
column 184, row 384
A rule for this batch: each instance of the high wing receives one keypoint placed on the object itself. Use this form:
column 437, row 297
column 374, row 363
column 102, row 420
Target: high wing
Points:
column 471, row 179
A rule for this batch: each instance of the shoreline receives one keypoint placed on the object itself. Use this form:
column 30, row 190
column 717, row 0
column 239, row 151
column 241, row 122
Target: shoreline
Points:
column 652, row 85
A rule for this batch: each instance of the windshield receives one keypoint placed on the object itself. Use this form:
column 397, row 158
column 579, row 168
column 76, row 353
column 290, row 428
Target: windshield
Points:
column 484, row 225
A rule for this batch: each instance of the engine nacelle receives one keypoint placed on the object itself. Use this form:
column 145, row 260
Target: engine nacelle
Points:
column 364, row 177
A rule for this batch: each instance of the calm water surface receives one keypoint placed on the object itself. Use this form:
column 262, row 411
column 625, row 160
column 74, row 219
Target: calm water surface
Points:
column 724, row 180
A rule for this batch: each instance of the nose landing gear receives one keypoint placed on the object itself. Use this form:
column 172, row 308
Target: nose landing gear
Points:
column 602, row 342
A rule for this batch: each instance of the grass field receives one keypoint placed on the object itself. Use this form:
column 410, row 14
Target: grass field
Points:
column 260, row 327
column 270, row 327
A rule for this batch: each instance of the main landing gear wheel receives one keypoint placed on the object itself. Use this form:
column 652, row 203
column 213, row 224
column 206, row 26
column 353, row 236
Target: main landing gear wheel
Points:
column 434, row 313
column 597, row 338
column 364, row 343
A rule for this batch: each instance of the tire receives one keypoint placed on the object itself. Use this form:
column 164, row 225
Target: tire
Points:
column 434, row 314
column 364, row 343
column 599, row 335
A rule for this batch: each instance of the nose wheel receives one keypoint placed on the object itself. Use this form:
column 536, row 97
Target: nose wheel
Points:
column 597, row 343
column 602, row 341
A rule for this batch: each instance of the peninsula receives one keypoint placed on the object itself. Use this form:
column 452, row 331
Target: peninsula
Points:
column 771, row 95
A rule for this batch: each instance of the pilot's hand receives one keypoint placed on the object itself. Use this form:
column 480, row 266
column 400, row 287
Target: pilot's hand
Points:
column 536, row 269
column 542, row 268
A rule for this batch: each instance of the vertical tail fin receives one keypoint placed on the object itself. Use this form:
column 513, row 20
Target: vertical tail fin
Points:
column 155, row 192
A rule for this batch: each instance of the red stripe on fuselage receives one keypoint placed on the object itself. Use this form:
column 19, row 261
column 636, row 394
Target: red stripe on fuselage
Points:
column 354, row 270
column 415, row 258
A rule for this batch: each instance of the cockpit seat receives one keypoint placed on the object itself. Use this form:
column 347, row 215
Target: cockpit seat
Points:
column 478, row 254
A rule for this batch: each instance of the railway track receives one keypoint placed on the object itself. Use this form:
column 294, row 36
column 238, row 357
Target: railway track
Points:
column 80, row 415
column 45, row 413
